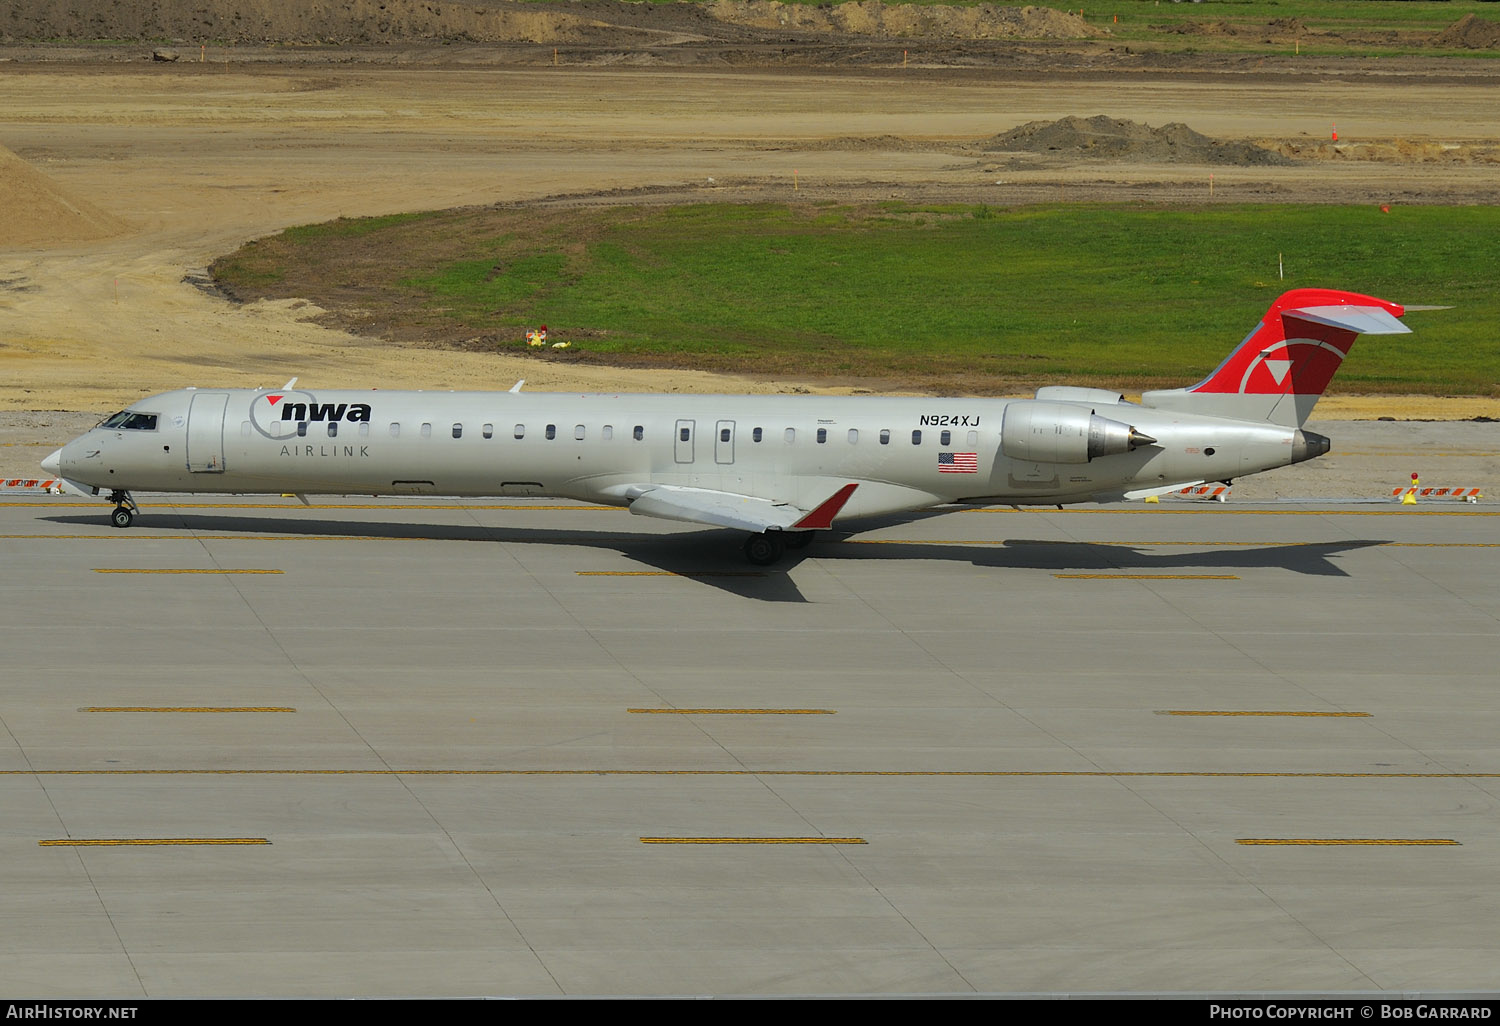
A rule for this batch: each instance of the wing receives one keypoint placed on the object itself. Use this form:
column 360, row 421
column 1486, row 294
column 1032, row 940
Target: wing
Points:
column 729, row 509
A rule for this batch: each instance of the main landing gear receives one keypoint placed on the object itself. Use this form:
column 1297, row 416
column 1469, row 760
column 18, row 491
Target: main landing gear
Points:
column 769, row 546
column 125, row 509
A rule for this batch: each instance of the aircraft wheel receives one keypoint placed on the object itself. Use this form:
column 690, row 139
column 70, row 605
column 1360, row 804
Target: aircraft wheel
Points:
column 800, row 539
column 122, row 516
column 764, row 549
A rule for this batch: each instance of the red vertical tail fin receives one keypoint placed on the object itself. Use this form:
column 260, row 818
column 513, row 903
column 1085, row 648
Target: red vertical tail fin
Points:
column 1281, row 368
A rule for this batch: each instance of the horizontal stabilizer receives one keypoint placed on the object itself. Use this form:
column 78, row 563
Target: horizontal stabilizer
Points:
column 1362, row 320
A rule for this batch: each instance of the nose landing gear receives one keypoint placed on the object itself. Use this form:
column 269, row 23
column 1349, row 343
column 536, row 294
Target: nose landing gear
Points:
column 125, row 509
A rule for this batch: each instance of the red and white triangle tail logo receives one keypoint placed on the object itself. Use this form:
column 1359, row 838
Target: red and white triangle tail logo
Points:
column 1279, row 369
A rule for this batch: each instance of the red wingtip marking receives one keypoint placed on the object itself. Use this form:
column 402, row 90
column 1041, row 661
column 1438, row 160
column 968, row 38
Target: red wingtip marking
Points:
column 822, row 518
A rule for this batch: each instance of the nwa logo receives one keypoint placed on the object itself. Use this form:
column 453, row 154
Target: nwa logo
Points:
column 275, row 408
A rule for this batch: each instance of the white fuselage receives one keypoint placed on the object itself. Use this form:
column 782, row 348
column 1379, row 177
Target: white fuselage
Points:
column 905, row 453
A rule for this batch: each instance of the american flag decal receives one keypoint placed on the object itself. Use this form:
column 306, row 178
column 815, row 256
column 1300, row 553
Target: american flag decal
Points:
column 958, row 463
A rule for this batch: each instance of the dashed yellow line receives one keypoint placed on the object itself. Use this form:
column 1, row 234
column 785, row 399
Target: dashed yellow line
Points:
column 753, row 840
column 144, row 536
column 1251, row 712
column 738, row 712
column 1346, row 840
column 110, row 842
column 129, row 570
column 1146, row 577
column 670, row 573
column 1080, row 774
column 187, row 709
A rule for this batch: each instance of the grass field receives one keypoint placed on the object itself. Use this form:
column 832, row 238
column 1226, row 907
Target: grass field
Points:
column 972, row 299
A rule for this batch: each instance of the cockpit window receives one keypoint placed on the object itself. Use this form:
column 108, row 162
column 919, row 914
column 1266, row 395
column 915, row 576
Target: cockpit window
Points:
column 127, row 420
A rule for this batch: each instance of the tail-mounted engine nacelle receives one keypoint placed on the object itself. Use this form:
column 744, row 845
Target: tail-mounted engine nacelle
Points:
column 1044, row 432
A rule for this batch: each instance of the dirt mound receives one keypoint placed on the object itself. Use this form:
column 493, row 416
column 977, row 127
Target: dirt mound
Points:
column 1470, row 32
column 39, row 212
column 1106, row 138
column 597, row 22
column 873, row 18
column 1277, row 30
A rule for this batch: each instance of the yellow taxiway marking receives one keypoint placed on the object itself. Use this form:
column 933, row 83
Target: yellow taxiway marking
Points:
column 1146, row 577
column 186, row 708
column 1345, row 840
column 1251, row 712
column 106, row 842
column 128, row 570
column 208, row 537
column 738, row 712
column 1081, row 774
column 753, row 840
column 670, row 573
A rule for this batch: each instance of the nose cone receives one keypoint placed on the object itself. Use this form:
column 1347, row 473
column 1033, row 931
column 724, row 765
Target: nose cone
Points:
column 53, row 463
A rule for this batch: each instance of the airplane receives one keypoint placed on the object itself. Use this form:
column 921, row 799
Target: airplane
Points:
column 780, row 468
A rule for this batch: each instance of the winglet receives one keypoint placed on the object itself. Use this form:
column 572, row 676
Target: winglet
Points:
column 821, row 518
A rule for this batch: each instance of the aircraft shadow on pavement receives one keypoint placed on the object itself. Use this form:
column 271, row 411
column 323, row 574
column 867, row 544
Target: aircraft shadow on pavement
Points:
column 713, row 557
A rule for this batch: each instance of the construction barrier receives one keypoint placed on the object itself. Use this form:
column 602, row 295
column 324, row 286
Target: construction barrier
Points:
column 1204, row 493
column 1411, row 495
column 50, row 486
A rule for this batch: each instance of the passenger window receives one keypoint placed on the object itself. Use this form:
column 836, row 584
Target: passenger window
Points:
column 333, row 429
column 551, row 432
column 426, row 430
column 520, row 430
column 458, row 430
column 885, row 436
column 395, row 430
column 685, row 434
column 916, row 438
column 973, row 437
column 822, row 435
column 607, row 432
column 791, row 435
column 364, row 429
column 488, row 430
column 946, row 438
column 755, row 434
column 639, row 433
column 244, row 429
column 578, row 432
column 301, row 429
column 853, row 436
column 723, row 434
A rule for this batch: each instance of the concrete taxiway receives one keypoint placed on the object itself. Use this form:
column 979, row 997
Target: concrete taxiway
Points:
column 536, row 748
